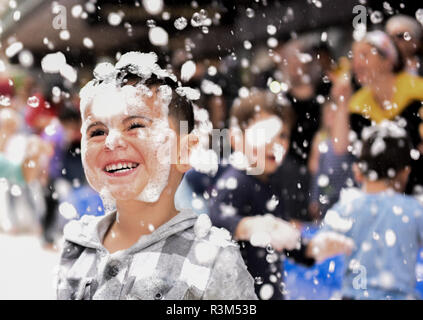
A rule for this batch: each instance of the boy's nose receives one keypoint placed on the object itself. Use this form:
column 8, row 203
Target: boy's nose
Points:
column 115, row 140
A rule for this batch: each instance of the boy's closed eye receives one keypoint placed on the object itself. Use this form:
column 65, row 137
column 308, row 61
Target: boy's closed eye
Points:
column 136, row 125
column 96, row 131
column 136, row 122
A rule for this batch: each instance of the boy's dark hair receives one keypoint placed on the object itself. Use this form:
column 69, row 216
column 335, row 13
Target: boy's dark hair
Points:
column 180, row 108
column 244, row 109
column 385, row 151
column 69, row 113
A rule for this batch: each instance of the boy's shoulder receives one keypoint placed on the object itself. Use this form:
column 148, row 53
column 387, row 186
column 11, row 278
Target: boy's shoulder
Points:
column 388, row 198
column 207, row 240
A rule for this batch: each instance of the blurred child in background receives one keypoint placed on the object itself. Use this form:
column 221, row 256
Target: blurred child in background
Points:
column 385, row 225
column 248, row 203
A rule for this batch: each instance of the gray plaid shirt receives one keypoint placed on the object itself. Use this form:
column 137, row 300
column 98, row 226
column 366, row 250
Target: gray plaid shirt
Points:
column 182, row 259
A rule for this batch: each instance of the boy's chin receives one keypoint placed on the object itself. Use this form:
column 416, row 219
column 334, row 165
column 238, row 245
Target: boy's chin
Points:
column 119, row 194
column 125, row 195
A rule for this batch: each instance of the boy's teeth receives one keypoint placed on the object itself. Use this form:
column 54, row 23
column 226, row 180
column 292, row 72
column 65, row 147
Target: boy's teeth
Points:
column 121, row 166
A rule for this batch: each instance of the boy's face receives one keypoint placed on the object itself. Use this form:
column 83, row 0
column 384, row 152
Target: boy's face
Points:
column 124, row 141
column 276, row 140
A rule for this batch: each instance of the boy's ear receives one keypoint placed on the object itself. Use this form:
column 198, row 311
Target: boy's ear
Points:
column 187, row 143
column 358, row 176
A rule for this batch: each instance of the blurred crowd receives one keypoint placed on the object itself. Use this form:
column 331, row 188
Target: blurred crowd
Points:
column 323, row 97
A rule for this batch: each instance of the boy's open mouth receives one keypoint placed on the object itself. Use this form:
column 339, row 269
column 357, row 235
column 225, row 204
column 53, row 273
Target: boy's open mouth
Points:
column 120, row 168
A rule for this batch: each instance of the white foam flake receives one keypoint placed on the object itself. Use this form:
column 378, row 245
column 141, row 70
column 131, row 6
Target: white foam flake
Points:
column 323, row 181
column 204, row 160
column 415, row 154
column 69, row 73
column 231, row 183
column 390, row 238
column 227, row 210
column 115, row 18
column 366, row 246
column 53, row 62
column 397, row 210
column 384, row 129
column 278, row 152
column 16, row 15
column 14, row 49
column 188, row 70
column 271, row 29
column 238, row 160
column 200, row 19
column 109, row 203
column 386, row 279
column 76, row 11
column 64, row 35
column 266, row 291
column 272, row 42
column 202, row 226
column 304, row 57
column 4, row 101
column 336, row 222
column 243, row 92
column 88, row 42
column 26, row 59
column 376, row 17
column 419, row 16
column 205, row 252
column 323, row 147
column 68, row 211
column 33, row 102
column 264, row 131
column 359, row 31
column 180, row 23
column 188, row 92
column 212, row 71
column 153, row 7
column 209, row 87
column 250, row 12
column 272, row 203
column 378, row 146
column 51, row 129
column 247, row 45
column 275, row 87
column 197, row 203
column 158, row 36
column 15, row 191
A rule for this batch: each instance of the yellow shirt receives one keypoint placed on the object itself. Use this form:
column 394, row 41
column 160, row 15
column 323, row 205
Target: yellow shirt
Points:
column 409, row 88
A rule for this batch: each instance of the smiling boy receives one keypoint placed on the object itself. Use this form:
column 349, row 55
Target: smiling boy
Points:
column 144, row 248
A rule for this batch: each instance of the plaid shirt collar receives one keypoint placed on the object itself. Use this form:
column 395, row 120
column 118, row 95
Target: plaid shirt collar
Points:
column 89, row 231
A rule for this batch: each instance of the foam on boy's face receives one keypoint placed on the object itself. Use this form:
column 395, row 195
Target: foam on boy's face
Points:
column 267, row 131
column 125, row 135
